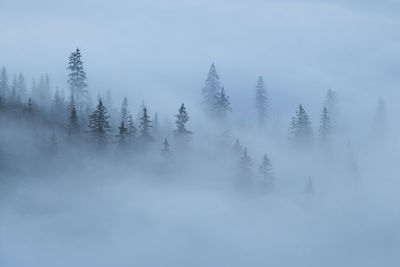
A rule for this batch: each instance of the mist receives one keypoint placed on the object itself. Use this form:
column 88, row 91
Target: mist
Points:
column 211, row 133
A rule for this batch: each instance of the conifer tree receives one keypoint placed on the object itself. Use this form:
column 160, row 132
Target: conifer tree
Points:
column 379, row 126
column 325, row 126
column 77, row 76
column 58, row 107
column 144, row 126
column 181, row 119
column 245, row 170
column 14, row 88
column 99, row 126
column 29, row 108
column 300, row 129
column 237, row 148
column 222, row 104
column 166, row 150
column 123, row 135
column 131, row 129
column 261, row 101
column 73, row 124
column 156, row 124
column 22, row 88
column 124, row 110
column 265, row 171
column 211, row 88
column 4, row 85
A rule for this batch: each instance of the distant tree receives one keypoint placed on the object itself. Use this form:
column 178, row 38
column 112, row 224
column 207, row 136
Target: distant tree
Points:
column 122, row 136
column 222, row 105
column 29, row 108
column 301, row 133
column 166, row 150
column 331, row 103
column 131, row 133
column 325, row 126
column 14, row 90
column 22, row 88
column 156, row 124
column 124, row 110
column 77, row 76
column 237, row 148
column 73, row 123
column 245, row 170
column 265, row 171
column 211, row 88
column 144, row 126
column 261, row 101
column 379, row 125
column 181, row 119
column 4, row 85
column 99, row 126
column 58, row 106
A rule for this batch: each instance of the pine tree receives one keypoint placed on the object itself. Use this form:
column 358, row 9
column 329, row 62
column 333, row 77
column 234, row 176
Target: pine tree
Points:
column 265, row 171
column 58, row 107
column 77, row 76
column 301, row 131
column 73, row 124
column 29, row 109
column 211, row 88
column 14, row 88
column 144, row 126
column 181, row 119
column 166, row 150
column 99, row 125
column 4, row 86
column 131, row 129
column 237, row 148
column 261, row 101
column 156, row 124
column 325, row 127
column 222, row 104
column 245, row 169
column 123, row 135
column 124, row 110
column 21, row 87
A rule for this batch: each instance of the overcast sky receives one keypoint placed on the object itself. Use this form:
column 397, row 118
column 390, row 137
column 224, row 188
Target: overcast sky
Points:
column 147, row 48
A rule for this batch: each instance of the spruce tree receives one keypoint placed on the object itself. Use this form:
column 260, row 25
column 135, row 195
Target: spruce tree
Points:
column 14, row 90
column 99, row 126
column 123, row 135
column 265, row 171
column 156, row 124
column 144, row 126
column 222, row 104
column 237, row 148
column 211, row 88
column 261, row 101
column 29, row 108
column 77, row 76
column 22, row 88
column 325, row 126
column 181, row 119
column 131, row 129
column 73, row 124
column 124, row 110
column 245, row 170
column 4, row 85
column 300, row 129
column 166, row 150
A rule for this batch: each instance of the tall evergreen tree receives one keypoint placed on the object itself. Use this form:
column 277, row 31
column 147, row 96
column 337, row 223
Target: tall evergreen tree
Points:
column 156, row 124
column 300, row 129
column 144, row 126
column 4, row 85
column 122, row 136
column 77, row 76
column 222, row 104
column 22, row 88
column 181, row 119
column 211, row 88
column 124, row 110
column 166, row 150
column 14, row 90
column 29, row 108
column 265, row 171
column 261, row 101
column 73, row 123
column 131, row 129
column 325, row 126
column 237, row 148
column 58, row 107
column 99, row 126
column 245, row 170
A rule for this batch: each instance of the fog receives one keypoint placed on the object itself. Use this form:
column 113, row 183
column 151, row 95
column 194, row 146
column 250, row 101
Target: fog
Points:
column 90, row 179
